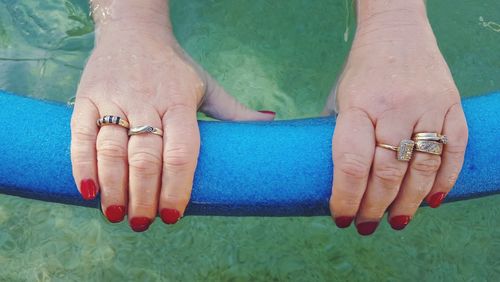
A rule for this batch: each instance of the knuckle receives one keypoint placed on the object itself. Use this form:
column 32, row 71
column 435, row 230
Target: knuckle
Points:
column 80, row 155
column 347, row 198
column 456, row 150
column 389, row 174
column 348, row 203
column 81, row 162
column 451, row 91
column 111, row 149
column 83, row 134
column 458, row 145
column 177, row 104
column 180, row 157
column 427, row 166
column 354, row 166
column 145, row 163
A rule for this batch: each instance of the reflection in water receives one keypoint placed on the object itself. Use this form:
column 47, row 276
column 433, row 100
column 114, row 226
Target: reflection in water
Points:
column 491, row 25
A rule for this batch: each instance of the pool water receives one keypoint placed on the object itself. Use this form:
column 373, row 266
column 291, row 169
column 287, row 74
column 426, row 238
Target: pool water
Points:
column 277, row 55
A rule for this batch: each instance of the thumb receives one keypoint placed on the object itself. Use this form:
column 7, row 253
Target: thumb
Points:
column 331, row 106
column 219, row 104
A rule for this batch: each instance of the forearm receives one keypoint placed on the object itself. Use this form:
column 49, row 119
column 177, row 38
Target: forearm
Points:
column 139, row 17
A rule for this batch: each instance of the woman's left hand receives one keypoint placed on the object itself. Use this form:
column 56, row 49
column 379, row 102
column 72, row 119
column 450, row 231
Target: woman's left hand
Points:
column 395, row 83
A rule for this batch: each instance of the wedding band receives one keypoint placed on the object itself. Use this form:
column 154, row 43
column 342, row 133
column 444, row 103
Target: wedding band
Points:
column 108, row 119
column 430, row 136
column 404, row 150
column 430, row 147
column 145, row 129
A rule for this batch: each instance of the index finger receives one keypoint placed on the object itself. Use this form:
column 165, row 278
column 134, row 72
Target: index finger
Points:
column 180, row 156
column 353, row 150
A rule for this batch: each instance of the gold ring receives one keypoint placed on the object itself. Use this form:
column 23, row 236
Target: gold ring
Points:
column 404, row 150
column 108, row 120
column 430, row 136
column 430, row 147
column 145, row 129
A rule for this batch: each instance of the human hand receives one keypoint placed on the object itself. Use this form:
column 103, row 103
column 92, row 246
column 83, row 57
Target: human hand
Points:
column 395, row 83
column 138, row 72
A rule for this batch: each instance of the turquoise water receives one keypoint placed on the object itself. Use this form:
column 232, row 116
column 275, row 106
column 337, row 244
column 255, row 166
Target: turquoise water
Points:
column 282, row 57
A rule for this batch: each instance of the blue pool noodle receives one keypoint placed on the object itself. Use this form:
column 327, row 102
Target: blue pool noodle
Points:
column 280, row 168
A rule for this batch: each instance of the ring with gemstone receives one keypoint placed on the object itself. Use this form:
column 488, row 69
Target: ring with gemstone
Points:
column 430, row 147
column 145, row 129
column 430, row 136
column 404, row 150
column 108, row 120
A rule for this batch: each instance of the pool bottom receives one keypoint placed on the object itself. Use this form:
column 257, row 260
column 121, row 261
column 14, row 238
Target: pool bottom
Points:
column 45, row 241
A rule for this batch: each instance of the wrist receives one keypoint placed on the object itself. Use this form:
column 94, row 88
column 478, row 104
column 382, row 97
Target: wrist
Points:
column 390, row 16
column 137, row 19
column 399, row 22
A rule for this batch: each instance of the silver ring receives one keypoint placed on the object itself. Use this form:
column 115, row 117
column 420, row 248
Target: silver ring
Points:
column 430, row 136
column 145, row 129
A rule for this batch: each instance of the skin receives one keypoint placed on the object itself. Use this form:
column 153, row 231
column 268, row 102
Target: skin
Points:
column 138, row 71
column 395, row 83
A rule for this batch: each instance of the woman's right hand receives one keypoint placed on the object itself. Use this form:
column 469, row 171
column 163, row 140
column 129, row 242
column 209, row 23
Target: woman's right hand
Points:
column 138, row 72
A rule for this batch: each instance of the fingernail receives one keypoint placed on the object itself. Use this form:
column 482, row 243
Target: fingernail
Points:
column 435, row 200
column 170, row 216
column 343, row 221
column 367, row 228
column 88, row 189
column 140, row 224
column 115, row 213
column 399, row 222
column 268, row 112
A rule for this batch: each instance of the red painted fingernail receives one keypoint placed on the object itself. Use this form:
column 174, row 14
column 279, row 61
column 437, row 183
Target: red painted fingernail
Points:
column 88, row 189
column 139, row 224
column 115, row 213
column 367, row 228
column 268, row 112
column 343, row 221
column 399, row 222
column 170, row 216
column 435, row 200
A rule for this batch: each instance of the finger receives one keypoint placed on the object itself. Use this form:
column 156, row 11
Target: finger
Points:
column 353, row 147
column 419, row 177
column 112, row 143
column 220, row 105
column 145, row 162
column 83, row 152
column 387, row 172
column 180, row 154
column 455, row 128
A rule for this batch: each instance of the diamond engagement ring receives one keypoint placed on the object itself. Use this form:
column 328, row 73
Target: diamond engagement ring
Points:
column 404, row 150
